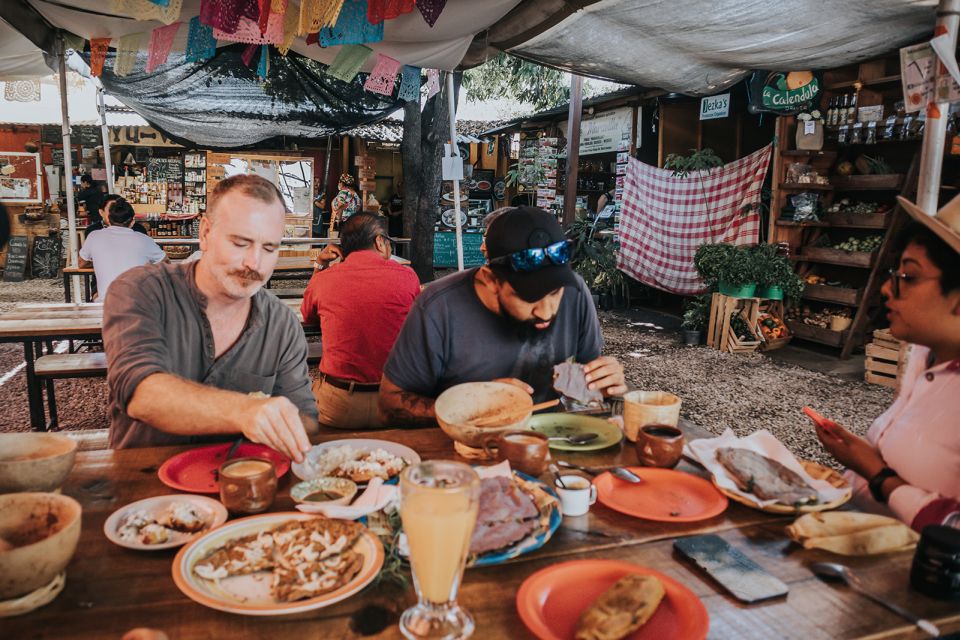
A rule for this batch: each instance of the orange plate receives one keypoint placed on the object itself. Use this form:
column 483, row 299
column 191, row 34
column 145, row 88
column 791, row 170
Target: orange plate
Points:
column 194, row 471
column 551, row 600
column 664, row 495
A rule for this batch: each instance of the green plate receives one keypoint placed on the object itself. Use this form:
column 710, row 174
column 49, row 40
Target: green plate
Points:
column 571, row 424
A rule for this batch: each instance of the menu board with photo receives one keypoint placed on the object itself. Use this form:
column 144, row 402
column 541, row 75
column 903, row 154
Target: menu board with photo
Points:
column 20, row 177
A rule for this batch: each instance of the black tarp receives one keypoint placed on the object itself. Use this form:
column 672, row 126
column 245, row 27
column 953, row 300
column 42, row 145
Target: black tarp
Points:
column 222, row 103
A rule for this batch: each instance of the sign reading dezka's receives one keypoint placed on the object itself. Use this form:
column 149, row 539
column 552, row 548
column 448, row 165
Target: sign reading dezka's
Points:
column 783, row 93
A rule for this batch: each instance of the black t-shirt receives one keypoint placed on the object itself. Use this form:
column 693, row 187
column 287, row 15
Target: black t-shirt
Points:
column 93, row 198
column 449, row 337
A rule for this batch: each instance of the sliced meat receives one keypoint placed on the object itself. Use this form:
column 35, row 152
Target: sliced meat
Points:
column 501, row 499
column 497, row 535
column 570, row 381
column 765, row 478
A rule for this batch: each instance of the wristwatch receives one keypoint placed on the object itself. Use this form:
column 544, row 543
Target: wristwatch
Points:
column 876, row 484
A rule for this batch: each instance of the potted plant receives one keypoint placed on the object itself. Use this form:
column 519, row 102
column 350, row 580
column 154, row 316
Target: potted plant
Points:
column 731, row 268
column 775, row 275
column 596, row 262
column 696, row 318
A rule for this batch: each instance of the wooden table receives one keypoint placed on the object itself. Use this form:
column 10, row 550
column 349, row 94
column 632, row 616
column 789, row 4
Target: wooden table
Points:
column 38, row 325
column 111, row 589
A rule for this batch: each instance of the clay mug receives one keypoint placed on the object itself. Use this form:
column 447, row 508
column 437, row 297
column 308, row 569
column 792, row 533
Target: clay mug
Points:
column 247, row 485
column 659, row 445
column 527, row 451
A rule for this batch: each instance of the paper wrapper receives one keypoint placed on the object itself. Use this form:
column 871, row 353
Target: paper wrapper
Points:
column 763, row 442
column 852, row 534
column 376, row 497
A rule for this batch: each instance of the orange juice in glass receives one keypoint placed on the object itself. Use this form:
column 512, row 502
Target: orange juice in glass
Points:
column 438, row 508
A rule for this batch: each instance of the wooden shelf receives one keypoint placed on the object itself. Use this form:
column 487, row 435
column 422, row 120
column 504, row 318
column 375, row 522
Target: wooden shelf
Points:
column 838, row 295
column 826, row 255
column 887, row 182
column 792, row 223
column 816, row 334
column 859, row 220
column 801, row 153
column 809, row 186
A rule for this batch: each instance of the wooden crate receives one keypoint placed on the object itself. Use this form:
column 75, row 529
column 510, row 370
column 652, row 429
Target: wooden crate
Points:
column 775, row 309
column 885, row 360
column 720, row 335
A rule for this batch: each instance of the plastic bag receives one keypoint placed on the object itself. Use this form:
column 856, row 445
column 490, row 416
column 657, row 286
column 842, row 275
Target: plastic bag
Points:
column 805, row 206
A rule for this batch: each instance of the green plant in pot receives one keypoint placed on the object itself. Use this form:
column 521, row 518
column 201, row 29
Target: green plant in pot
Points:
column 732, row 269
column 696, row 318
column 596, row 262
column 776, row 278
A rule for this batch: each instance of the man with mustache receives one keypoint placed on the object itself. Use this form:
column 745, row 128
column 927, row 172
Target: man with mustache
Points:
column 198, row 350
column 512, row 320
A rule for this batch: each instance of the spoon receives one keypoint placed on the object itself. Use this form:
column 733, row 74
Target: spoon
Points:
column 618, row 472
column 556, row 474
column 582, row 438
column 841, row 572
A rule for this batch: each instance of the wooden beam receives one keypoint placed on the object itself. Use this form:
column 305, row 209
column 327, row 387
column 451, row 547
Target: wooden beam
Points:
column 573, row 150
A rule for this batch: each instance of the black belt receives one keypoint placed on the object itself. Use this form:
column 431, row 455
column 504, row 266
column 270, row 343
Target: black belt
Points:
column 349, row 385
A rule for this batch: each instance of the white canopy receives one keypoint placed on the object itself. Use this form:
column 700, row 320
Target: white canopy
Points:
column 20, row 59
column 407, row 38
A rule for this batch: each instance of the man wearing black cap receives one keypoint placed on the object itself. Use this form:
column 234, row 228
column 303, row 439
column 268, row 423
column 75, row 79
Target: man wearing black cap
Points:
column 512, row 320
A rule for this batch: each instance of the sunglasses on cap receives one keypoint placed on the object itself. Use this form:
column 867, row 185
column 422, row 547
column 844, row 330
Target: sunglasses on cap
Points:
column 536, row 258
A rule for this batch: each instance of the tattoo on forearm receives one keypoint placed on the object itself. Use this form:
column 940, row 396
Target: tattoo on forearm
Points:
column 409, row 409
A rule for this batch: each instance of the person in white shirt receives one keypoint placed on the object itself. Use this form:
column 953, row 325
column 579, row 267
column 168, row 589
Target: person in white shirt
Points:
column 908, row 466
column 117, row 247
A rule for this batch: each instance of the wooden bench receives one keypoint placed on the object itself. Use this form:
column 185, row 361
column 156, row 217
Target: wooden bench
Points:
column 287, row 293
column 94, row 365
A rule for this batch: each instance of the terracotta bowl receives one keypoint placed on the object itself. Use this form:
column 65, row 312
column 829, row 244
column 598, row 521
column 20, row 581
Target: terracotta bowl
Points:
column 459, row 405
column 34, row 461
column 38, row 535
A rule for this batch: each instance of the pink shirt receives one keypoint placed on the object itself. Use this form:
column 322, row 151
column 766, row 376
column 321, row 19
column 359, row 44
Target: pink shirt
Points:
column 361, row 304
column 919, row 438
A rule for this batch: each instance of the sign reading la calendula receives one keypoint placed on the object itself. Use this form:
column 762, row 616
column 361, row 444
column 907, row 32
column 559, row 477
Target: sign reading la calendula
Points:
column 784, row 93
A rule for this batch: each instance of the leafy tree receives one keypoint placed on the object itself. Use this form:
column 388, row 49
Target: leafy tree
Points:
column 528, row 82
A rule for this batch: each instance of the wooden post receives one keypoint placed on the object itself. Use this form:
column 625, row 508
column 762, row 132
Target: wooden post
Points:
column 573, row 150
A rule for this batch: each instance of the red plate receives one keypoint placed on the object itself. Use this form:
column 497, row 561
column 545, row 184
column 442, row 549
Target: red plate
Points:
column 664, row 495
column 193, row 470
column 551, row 601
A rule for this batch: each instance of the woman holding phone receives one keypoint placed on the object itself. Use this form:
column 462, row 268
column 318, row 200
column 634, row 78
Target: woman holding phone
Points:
column 908, row 465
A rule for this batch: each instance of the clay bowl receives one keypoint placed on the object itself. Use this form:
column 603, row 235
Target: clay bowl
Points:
column 38, row 535
column 34, row 461
column 459, row 405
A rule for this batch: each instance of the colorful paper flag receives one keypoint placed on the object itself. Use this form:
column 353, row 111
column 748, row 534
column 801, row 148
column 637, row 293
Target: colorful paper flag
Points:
column 201, row 45
column 248, row 31
column 127, row 49
column 264, row 67
column 161, row 40
column 247, row 55
column 431, row 10
column 291, row 22
column 352, row 27
column 348, row 62
column 98, row 53
column 433, row 83
column 225, row 14
column 315, row 14
column 146, row 10
column 409, row 84
column 384, row 75
column 380, row 10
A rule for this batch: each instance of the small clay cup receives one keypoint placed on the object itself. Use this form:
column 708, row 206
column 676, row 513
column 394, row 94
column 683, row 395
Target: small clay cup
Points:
column 659, row 445
column 527, row 451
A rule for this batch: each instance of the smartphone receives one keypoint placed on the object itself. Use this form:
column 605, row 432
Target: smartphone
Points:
column 742, row 577
column 824, row 423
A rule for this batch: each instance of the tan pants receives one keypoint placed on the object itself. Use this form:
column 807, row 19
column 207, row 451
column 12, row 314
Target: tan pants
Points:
column 342, row 409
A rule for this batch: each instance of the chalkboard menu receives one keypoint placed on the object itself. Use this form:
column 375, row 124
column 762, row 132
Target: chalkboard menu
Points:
column 445, row 249
column 58, row 156
column 16, row 267
column 164, row 170
column 46, row 257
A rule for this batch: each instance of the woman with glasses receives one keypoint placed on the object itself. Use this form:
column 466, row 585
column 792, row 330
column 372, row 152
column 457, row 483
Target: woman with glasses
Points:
column 908, row 466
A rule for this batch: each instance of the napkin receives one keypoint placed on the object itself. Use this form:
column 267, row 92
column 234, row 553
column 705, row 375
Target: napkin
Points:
column 376, row 497
column 852, row 534
column 763, row 442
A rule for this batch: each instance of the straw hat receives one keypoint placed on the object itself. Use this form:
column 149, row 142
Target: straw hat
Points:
column 946, row 222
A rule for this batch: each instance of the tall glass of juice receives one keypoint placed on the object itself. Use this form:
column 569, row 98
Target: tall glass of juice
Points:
column 438, row 508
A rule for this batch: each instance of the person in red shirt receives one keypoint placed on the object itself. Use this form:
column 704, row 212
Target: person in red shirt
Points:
column 361, row 304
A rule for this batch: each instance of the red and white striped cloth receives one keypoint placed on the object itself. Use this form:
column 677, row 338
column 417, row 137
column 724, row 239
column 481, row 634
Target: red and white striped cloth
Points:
column 664, row 219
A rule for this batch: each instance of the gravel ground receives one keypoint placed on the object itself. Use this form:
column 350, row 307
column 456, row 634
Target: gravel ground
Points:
column 719, row 390
column 744, row 392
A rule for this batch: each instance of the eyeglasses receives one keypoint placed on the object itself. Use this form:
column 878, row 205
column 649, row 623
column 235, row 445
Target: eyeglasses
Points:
column 536, row 258
column 896, row 277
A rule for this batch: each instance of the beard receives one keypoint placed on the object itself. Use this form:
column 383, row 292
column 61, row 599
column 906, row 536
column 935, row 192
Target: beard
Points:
column 527, row 329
